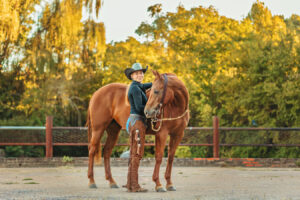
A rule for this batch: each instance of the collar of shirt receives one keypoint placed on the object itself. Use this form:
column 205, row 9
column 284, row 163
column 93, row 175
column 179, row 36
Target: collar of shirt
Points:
column 140, row 85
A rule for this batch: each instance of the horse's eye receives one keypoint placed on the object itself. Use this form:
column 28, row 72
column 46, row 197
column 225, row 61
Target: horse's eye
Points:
column 156, row 91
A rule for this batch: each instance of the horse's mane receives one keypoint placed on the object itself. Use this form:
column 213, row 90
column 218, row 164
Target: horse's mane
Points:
column 126, row 96
column 175, row 82
column 177, row 85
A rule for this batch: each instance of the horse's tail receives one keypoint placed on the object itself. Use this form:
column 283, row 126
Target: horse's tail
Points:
column 89, row 126
column 97, row 155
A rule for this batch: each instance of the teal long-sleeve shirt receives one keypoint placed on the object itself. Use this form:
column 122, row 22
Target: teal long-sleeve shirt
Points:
column 137, row 97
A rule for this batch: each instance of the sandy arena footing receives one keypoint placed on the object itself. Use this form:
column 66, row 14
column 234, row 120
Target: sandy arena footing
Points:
column 203, row 183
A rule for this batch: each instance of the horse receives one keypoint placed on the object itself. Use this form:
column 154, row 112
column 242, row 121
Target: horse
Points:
column 167, row 108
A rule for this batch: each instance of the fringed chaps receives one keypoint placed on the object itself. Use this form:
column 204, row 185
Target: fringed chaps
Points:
column 137, row 141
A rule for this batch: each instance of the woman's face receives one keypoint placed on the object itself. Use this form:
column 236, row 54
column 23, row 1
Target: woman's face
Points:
column 137, row 76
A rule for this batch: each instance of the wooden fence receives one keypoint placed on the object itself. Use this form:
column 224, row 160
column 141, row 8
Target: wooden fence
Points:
column 49, row 128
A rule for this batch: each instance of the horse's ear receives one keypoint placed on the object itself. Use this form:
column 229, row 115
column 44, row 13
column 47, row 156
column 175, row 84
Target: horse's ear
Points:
column 156, row 74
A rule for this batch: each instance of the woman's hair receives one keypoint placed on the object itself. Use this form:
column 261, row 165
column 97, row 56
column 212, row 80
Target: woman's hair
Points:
column 126, row 95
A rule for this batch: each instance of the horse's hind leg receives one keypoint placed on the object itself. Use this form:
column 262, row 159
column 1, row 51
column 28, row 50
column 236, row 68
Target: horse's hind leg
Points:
column 112, row 136
column 94, row 147
column 174, row 142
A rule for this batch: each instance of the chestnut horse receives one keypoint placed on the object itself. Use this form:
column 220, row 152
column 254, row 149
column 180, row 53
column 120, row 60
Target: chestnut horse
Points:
column 109, row 110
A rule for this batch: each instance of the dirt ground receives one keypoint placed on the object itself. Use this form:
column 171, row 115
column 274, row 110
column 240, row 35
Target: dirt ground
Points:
column 191, row 183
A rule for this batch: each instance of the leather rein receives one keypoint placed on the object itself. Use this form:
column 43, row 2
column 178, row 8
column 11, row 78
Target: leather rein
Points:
column 155, row 119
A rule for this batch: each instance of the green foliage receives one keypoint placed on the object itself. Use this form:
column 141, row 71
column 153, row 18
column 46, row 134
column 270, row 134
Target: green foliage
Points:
column 31, row 183
column 183, row 152
column 14, row 151
column 60, row 63
column 260, row 152
column 244, row 152
column 149, row 152
column 72, row 151
column 67, row 159
column 117, row 151
column 24, row 151
column 238, row 70
column 201, row 152
column 27, row 179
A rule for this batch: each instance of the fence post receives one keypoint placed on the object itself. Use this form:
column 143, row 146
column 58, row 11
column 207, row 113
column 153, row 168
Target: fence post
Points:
column 49, row 146
column 216, row 137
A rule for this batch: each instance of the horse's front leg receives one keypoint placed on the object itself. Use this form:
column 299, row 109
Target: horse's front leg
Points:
column 160, row 142
column 173, row 144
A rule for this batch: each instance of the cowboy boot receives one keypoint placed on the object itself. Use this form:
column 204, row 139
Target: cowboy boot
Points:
column 132, row 178
column 129, row 175
column 135, row 187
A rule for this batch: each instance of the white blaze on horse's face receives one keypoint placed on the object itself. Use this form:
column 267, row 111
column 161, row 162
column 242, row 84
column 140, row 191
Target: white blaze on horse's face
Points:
column 153, row 106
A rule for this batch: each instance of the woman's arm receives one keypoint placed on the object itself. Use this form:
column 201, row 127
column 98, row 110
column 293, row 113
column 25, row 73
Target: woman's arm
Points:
column 147, row 85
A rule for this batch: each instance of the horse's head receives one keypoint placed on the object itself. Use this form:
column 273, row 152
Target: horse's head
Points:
column 160, row 95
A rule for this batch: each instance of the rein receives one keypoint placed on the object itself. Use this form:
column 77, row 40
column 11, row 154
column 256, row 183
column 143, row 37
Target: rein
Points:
column 165, row 119
column 153, row 120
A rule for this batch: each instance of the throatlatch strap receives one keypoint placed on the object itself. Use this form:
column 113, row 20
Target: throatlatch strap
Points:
column 165, row 89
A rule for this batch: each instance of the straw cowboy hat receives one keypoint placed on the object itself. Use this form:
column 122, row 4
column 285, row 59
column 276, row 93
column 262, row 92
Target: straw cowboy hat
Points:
column 135, row 67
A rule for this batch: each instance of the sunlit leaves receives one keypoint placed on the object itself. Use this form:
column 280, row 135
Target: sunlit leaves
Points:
column 239, row 70
column 61, row 57
column 234, row 69
column 15, row 22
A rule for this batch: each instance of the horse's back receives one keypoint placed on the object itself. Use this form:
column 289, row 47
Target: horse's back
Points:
column 111, row 91
column 108, row 103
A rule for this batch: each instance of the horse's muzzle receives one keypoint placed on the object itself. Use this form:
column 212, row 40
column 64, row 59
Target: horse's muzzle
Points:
column 151, row 113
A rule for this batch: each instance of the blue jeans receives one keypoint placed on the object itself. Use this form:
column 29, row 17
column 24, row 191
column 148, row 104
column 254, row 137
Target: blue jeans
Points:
column 132, row 120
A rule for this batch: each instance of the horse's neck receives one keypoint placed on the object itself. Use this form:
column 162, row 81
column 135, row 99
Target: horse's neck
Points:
column 180, row 102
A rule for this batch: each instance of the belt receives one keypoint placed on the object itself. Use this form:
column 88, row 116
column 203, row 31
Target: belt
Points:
column 132, row 120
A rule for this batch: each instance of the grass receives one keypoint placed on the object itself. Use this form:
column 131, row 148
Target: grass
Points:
column 67, row 159
column 27, row 179
column 10, row 183
column 31, row 183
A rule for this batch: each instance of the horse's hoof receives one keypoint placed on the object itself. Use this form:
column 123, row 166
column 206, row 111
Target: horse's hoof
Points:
column 171, row 188
column 113, row 185
column 160, row 189
column 93, row 186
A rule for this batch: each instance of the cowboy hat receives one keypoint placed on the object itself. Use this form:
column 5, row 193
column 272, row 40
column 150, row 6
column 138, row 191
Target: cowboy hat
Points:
column 135, row 67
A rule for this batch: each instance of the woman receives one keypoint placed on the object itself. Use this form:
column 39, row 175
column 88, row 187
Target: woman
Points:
column 136, row 123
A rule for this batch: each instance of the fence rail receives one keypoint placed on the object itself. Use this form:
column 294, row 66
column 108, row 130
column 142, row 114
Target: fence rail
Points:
column 49, row 142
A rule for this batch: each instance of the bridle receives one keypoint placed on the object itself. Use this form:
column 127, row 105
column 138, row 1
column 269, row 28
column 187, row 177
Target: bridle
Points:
column 164, row 91
column 155, row 119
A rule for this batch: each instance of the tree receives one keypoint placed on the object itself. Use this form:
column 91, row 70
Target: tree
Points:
column 59, row 62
